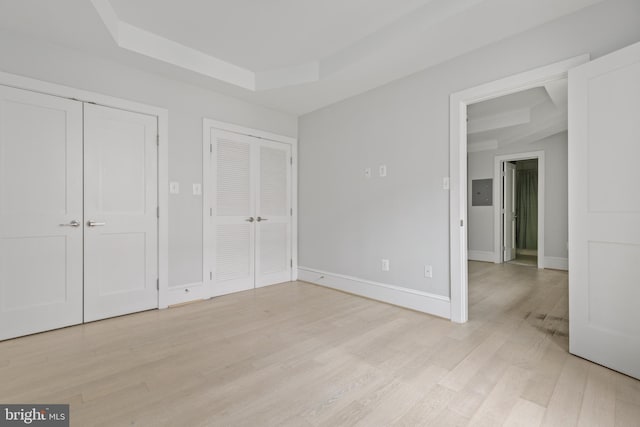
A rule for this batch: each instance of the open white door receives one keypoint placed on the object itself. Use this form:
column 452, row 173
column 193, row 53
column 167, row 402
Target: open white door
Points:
column 40, row 212
column 604, row 211
column 509, row 211
column 121, row 202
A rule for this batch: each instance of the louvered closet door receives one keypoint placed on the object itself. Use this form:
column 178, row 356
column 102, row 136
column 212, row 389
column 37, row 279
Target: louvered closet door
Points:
column 273, row 222
column 233, row 161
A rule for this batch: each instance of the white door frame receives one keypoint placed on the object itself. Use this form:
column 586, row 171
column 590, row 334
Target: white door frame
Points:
column 207, row 246
column 162, row 114
column 498, row 231
column 458, row 166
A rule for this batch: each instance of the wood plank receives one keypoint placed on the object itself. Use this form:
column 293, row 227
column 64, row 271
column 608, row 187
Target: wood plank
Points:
column 627, row 414
column 525, row 414
column 599, row 400
column 566, row 400
column 460, row 375
column 504, row 396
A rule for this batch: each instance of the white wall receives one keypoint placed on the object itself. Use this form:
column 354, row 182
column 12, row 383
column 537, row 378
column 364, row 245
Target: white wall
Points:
column 348, row 223
column 187, row 106
column 481, row 220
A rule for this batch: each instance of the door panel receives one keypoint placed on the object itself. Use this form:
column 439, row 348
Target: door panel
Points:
column 121, row 249
column 604, row 210
column 509, row 211
column 233, row 160
column 274, row 251
column 273, row 227
column 234, row 252
column 40, row 193
column 623, row 86
column 234, row 186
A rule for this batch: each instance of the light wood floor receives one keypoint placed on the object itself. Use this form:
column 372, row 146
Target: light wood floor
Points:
column 527, row 260
column 301, row 355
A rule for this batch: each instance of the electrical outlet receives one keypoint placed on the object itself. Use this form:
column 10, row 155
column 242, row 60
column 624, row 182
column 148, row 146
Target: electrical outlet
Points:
column 174, row 188
column 428, row 271
column 367, row 173
column 385, row 265
column 197, row 189
column 445, row 183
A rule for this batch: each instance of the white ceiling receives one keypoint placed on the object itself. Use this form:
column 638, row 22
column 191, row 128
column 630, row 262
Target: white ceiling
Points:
column 263, row 35
column 522, row 117
column 292, row 55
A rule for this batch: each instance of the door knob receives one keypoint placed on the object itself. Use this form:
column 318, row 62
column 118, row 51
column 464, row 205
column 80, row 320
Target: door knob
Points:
column 250, row 219
column 73, row 223
column 259, row 219
column 96, row 224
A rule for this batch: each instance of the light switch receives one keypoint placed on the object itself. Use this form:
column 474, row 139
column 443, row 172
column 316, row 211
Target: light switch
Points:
column 385, row 265
column 428, row 271
column 197, row 189
column 382, row 171
column 445, row 183
column 174, row 188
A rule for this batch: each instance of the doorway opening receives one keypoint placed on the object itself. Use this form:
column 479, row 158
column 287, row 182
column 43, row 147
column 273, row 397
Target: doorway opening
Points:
column 461, row 221
column 521, row 195
column 520, row 212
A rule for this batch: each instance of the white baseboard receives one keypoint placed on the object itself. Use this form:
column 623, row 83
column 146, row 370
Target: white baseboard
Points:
column 483, row 256
column 186, row 293
column 396, row 295
column 556, row 263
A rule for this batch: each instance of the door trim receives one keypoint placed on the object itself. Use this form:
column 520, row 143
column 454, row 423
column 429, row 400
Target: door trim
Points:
column 207, row 249
column 458, row 166
column 498, row 231
column 162, row 114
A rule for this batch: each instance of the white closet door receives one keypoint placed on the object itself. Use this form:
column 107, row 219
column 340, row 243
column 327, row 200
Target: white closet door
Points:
column 40, row 205
column 233, row 161
column 273, row 222
column 604, row 211
column 121, row 224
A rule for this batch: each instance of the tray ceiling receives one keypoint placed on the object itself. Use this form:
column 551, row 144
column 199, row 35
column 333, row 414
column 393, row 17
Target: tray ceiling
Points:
column 291, row 55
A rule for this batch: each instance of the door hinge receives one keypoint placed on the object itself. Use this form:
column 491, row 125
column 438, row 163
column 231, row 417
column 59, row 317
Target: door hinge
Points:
column 210, row 211
column 291, row 263
column 158, row 284
column 291, row 211
column 211, row 275
column 291, row 160
column 461, row 223
column 158, row 211
column 158, row 139
column 211, row 148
